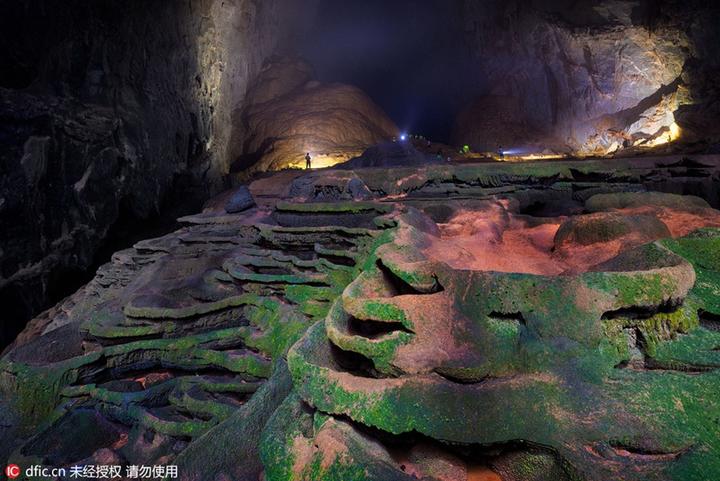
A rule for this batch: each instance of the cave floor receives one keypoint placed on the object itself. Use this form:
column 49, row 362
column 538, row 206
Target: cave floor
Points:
column 490, row 321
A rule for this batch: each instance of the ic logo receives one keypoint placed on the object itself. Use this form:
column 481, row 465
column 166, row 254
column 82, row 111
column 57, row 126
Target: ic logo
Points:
column 12, row 471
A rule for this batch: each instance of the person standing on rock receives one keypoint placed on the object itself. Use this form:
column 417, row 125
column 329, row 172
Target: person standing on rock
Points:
column 308, row 159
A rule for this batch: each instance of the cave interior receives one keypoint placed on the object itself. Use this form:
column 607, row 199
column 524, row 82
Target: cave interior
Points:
column 279, row 240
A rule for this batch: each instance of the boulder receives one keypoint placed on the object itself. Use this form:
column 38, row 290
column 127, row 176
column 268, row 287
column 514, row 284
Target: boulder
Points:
column 603, row 227
column 391, row 154
column 240, row 200
column 632, row 200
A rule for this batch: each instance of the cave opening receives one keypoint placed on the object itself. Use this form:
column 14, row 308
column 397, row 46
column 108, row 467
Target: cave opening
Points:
column 409, row 56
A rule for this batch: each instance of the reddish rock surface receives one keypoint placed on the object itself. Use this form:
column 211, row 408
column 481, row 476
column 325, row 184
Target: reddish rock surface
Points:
column 496, row 239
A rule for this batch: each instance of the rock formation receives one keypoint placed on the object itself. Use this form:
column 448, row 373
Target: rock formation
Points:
column 398, row 317
column 592, row 78
column 240, row 200
column 311, row 338
column 289, row 114
column 107, row 110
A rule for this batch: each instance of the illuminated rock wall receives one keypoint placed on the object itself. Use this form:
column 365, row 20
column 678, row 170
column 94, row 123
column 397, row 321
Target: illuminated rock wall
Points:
column 583, row 77
column 108, row 108
column 289, row 114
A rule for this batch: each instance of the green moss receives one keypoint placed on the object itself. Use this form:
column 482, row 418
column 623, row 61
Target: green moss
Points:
column 633, row 289
column 278, row 438
column 185, row 312
column 379, row 310
column 700, row 347
column 36, row 391
column 562, row 338
column 128, row 332
column 702, row 250
column 217, row 411
column 423, row 406
column 190, row 428
column 279, row 327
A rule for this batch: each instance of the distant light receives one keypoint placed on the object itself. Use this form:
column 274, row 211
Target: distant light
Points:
column 403, row 137
column 674, row 132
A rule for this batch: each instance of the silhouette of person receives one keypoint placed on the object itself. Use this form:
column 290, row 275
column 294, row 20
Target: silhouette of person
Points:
column 308, row 161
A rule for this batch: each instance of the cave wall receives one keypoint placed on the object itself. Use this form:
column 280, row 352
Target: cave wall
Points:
column 289, row 113
column 590, row 76
column 114, row 110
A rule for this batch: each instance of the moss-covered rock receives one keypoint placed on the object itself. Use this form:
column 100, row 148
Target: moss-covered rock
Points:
column 575, row 363
column 625, row 200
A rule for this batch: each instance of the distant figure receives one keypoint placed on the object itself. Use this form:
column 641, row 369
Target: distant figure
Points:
column 308, row 161
column 501, row 152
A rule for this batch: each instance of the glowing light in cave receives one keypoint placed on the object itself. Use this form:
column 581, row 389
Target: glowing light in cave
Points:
column 322, row 161
column 523, row 155
column 529, row 157
column 673, row 133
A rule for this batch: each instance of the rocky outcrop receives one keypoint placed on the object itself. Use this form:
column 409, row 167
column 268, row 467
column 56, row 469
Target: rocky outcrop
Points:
column 289, row 114
column 108, row 109
column 608, row 227
column 412, row 354
column 392, row 154
column 342, row 340
column 240, row 200
column 491, row 123
column 175, row 335
column 592, row 78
